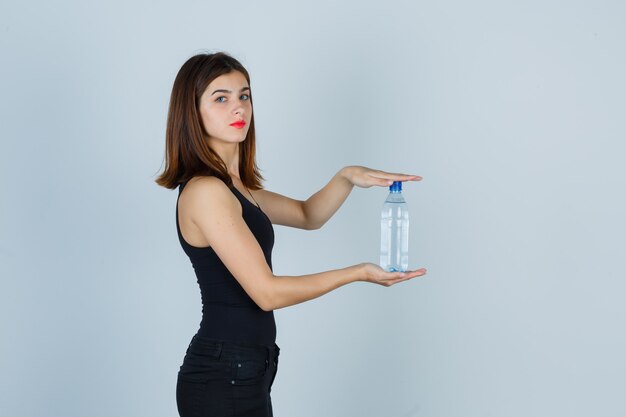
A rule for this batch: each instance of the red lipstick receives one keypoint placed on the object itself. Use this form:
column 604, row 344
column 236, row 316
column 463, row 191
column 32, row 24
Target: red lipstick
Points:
column 239, row 124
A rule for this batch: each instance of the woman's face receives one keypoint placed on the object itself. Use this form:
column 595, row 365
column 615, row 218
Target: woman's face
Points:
column 225, row 101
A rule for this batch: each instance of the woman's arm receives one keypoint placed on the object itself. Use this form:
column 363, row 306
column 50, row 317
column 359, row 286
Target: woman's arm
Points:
column 310, row 214
column 321, row 206
column 214, row 209
column 290, row 290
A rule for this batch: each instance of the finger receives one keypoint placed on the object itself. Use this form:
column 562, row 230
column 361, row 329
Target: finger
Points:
column 394, row 176
column 383, row 182
column 393, row 276
column 408, row 274
column 395, row 281
column 406, row 278
column 417, row 272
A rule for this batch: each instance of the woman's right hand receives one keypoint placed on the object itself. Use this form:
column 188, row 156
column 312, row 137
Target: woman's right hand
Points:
column 375, row 274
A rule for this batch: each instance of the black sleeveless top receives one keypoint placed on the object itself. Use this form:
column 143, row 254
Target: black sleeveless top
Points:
column 228, row 312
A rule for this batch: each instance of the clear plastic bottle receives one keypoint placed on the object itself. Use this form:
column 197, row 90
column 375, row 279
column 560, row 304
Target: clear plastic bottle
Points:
column 394, row 231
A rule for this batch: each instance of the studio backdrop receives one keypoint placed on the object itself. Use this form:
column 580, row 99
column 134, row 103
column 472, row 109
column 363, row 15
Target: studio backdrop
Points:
column 512, row 112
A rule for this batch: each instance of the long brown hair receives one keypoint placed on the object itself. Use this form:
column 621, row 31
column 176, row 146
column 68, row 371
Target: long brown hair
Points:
column 187, row 152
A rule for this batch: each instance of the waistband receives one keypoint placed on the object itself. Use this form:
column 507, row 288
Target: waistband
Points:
column 232, row 350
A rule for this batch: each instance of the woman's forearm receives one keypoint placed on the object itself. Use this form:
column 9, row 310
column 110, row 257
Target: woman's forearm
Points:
column 323, row 204
column 290, row 290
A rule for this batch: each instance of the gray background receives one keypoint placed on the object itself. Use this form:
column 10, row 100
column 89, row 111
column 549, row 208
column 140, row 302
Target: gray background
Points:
column 513, row 112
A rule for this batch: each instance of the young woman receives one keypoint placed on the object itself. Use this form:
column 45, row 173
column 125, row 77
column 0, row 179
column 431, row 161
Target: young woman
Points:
column 224, row 221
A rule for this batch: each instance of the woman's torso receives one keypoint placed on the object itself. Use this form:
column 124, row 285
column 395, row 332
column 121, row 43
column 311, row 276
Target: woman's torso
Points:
column 228, row 312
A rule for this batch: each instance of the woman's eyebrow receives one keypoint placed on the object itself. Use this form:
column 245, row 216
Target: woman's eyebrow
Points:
column 228, row 91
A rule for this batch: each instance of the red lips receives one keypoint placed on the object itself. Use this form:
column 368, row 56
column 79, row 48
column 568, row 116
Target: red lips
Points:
column 238, row 124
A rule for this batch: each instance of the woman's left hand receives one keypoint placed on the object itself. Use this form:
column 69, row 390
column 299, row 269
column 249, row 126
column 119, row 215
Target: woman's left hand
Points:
column 364, row 177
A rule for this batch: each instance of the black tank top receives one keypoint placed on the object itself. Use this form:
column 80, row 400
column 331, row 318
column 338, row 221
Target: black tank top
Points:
column 228, row 312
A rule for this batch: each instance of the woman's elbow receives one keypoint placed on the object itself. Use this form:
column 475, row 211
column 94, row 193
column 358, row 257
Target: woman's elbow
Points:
column 267, row 305
column 312, row 226
column 266, row 300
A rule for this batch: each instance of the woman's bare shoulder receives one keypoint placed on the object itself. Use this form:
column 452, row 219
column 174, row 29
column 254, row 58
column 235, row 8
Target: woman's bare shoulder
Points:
column 203, row 191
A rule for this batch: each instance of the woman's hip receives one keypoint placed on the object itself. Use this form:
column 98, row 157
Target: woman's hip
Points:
column 226, row 378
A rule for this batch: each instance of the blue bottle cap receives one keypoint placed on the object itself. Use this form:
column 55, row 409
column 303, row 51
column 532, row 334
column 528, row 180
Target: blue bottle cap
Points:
column 396, row 187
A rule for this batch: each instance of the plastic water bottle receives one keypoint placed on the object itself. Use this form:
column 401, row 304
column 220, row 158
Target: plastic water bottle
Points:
column 394, row 231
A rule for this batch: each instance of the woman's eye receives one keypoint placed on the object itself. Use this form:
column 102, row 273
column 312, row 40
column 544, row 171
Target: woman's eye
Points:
column 243, row 96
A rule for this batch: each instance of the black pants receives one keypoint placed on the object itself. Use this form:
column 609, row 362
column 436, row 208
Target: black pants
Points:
column 226, row 379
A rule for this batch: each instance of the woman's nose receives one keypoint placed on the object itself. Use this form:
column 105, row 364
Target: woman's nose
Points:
column 239, row 108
